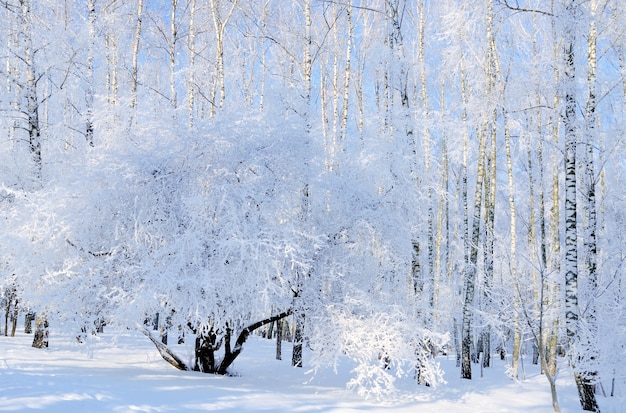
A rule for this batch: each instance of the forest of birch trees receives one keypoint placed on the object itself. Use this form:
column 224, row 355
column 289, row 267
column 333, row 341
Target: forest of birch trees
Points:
column 386, row 180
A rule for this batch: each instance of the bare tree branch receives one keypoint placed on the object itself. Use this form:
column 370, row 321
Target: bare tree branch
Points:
column 517, row 7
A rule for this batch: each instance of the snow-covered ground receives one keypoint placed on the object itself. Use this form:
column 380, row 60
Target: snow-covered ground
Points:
column 124, row 373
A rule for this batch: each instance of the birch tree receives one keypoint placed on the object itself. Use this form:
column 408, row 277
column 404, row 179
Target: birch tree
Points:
column 30, row 89
column 220, row 21
column 135, row 58
column 471, row 265
column 89, row 95
column 496, row 90
column 347, row 73
column 589, row 332
column 307, row 68
column 586, row 394
column 172, row 41
column 191, row 81
column 485, row 131
column 426, row 144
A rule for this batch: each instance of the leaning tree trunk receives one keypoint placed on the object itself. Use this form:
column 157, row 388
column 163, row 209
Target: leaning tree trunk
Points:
column 243, row 336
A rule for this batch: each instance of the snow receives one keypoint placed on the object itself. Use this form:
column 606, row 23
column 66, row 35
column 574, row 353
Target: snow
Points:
column 349, row 209
column 122, row 372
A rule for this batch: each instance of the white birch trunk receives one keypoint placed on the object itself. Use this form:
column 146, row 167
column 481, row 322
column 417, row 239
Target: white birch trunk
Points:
column 335, row 82
column 517, row 342
column 589, row 334
column 12, row 71
column 112, row 70
column 441, row 214
column 571, row 235
column 555, row 217
column 308, row 62
column 299, row 316
column 347, row 73
column 219, row 82
column 470, row 270
column 172, row 56
column 135, row 67
column 466, row 367
column 426, row 138
column 495, row 92
column 91, row 9
column 572, row 314
column 191, row 81
column 32, row 101
column 263, row 54
column 324, row 114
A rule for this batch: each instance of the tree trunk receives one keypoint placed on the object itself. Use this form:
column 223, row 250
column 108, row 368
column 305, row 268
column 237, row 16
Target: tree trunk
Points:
column 264, row 16
column 545, row 286
column 279, row 339
column 219, row 82
column 586, row 387
column 426, row 140
column 112, row 69
column 555, row 227
column 490, row 197
column 99, row 324
column 89, row 94
column 464, row 351
column 135, row 66
column 40, row 339
column 442, row 213
column 7, row 310
column 192, row 63
column 571, row 250
column 269, row 332
column 32, row 100
column 28, row 322
column 457, row 344
column 172, row 57
column 296, row 357
column 346, row 84
column 470, row 270
column 205, row 347
column 167, row 354
column 572, row 322
column 207, row 344
column 155, row 322
column 513, row 249
column 307, row 67
column 16, row 311
column 494, row 94
column 243, row 336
